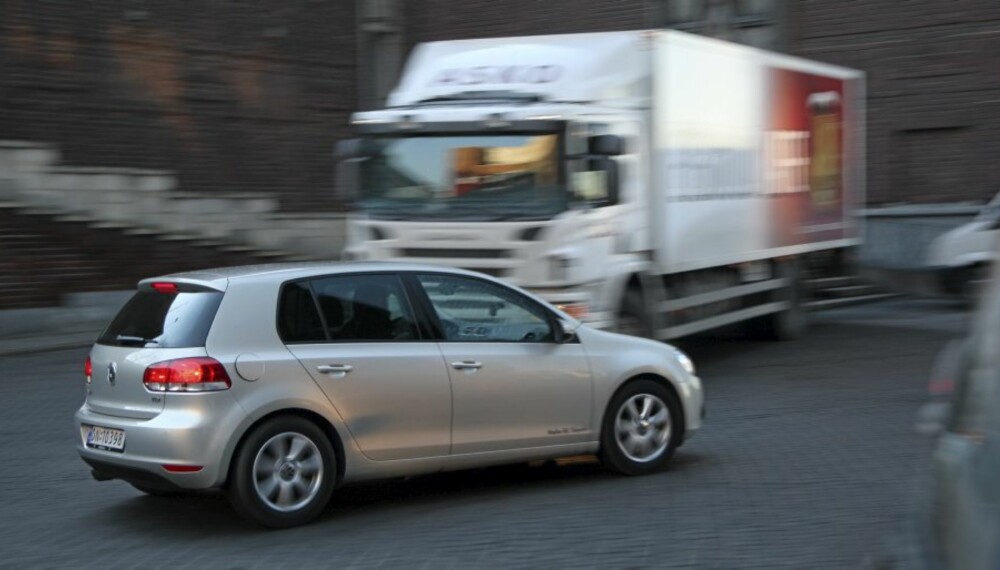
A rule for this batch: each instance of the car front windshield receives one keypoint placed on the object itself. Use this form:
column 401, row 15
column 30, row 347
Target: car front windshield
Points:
column 462, row 177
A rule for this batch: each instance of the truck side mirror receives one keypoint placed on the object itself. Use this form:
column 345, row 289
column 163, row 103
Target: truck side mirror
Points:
column 606, row 145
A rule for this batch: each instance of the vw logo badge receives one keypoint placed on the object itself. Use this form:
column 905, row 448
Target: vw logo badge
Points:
column 112, row 373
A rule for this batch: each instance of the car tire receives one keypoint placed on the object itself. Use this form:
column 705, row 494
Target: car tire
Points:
column 284, row 473
column 621, row 428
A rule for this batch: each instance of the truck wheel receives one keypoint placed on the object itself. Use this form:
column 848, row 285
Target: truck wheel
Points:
column 633, row 319
column 641, row 428
column 284, row 473
column 791, row 323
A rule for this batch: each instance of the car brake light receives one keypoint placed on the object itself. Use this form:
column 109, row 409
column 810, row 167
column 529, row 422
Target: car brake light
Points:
column 88, row 369
column 196, row 374
column 160, row 287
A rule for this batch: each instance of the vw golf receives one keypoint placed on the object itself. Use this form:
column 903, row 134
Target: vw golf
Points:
column 279, row 383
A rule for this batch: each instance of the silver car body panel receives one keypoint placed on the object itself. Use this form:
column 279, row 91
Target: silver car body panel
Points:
column 392, row 413
column 505, row 404
column 396, row 404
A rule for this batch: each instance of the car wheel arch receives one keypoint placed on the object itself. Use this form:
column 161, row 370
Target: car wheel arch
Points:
column 314, row 417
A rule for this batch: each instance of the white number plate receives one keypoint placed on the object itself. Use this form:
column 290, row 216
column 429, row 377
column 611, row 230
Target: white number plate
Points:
column 104, row 438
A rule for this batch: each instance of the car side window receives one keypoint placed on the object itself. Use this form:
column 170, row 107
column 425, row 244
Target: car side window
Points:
column 298, row 319
column 473, row 310
column 365, row 308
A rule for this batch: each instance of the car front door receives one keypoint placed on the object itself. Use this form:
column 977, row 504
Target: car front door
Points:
column 513, row 385
column 357, row 336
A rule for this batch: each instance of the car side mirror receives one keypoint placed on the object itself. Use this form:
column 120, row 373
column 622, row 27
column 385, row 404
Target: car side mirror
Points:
column 566, row 331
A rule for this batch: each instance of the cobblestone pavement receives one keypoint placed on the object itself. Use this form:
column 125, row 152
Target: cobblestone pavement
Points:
column 806, row 461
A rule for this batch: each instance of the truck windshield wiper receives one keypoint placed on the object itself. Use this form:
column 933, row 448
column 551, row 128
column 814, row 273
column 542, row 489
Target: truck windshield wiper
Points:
column 127, row 339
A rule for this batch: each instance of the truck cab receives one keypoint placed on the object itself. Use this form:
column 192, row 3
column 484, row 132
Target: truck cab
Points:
column 530, row 173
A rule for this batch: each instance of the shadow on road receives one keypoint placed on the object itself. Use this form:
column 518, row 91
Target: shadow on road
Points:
column 189, row 516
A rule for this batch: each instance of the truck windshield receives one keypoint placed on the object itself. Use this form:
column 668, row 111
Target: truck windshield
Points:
column 467, row 177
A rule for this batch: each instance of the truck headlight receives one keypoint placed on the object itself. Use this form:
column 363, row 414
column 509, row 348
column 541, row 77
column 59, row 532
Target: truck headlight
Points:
column 685, row 361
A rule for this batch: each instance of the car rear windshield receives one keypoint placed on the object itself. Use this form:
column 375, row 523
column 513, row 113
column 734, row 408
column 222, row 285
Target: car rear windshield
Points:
column 163, row 320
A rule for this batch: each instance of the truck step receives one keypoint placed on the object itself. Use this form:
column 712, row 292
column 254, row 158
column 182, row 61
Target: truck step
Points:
column 827, row 304
column 859, row 290
column 828, row 282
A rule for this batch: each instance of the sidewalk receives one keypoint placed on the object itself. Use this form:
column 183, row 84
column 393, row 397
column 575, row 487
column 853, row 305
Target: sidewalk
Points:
column 25, row 345
column 75, row 324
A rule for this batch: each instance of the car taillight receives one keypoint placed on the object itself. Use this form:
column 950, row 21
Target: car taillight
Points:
column 196, row 374
column 161, row 287
column 88, row 369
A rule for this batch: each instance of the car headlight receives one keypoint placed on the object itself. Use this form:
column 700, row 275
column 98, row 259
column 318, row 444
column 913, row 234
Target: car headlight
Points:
column 685, row 361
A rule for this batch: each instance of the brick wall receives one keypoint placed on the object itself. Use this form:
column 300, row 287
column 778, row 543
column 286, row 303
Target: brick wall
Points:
column 447, row 19
column 44, row 258
column 933, row 90
column 234, row 96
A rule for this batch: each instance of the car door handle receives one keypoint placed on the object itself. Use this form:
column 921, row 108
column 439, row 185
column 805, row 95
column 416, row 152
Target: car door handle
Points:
column 338, row 369
column 466, row 365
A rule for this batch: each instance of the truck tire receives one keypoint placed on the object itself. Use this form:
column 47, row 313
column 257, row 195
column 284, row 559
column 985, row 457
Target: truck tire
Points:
column 632, row 444
column 791, row 323
column 633, row 319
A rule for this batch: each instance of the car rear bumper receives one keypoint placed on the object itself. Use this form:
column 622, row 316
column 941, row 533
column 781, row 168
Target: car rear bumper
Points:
column 197, row 435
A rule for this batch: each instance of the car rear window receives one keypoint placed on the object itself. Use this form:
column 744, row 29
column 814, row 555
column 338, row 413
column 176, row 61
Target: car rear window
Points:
column 163, row 320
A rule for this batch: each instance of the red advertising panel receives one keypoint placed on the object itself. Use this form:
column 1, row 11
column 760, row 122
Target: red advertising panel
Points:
column 806, row 157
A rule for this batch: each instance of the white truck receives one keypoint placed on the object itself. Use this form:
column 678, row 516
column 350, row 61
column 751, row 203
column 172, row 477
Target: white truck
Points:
column 653, row 182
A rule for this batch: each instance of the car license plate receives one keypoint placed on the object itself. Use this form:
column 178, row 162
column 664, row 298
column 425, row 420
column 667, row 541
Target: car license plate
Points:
column 107, row 439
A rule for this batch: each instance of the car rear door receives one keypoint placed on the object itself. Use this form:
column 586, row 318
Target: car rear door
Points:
column 356, row 335
column 513, row 386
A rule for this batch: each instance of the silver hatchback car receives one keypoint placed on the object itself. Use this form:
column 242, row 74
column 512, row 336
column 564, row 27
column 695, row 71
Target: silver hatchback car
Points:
column 279, row 383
